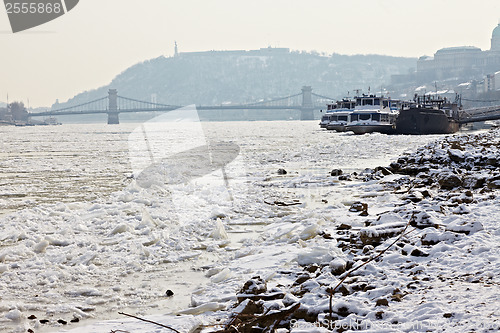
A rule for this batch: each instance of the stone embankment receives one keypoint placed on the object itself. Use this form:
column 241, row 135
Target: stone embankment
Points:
column 432, row 237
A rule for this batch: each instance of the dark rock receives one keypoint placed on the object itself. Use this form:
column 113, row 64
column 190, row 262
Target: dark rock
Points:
column 75, row 320
column 344, row 290
column 382, row 302
column 416, row 252
column 343, row 311
column 338, row 266
column 30, row 330
column 379, row 315
column 253, row 308
column 336, row 172
column 456, row 156
column 325, row 235
column 169, row 293
column 474, row 182
column 394, row 166
column 62, row 321
column 44, row 321
column 301, row 279
column 255, row 286
column 449, row 181
column 256, row 289
column 493, row 183
column 282, row 172
column 415, row 196
column 311, row 268
column 368, row 288
column 422, row 220
column 375, row 235
column 359, row 207
column 305, row 313
column 447, row 315
column 426, row 194
column 32, row 317
column 429, row 239
column 385, row 171
column 397, row 295
column 345, row 177
column 413, row 170
column 344, row 226
column 368, row 249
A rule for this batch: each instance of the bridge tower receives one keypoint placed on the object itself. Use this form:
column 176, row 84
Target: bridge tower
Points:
column 113, row 107
column 307, row 110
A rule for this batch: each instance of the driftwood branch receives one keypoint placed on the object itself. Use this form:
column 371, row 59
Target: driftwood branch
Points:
column 245, row 323
column 282, row 204
column 149, row 321
column 332, row 291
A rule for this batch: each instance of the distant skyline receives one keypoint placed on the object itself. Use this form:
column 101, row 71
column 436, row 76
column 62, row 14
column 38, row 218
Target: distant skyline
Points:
column 86, row 48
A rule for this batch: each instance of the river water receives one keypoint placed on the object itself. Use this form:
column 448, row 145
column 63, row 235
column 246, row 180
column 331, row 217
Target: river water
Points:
column 79, row 238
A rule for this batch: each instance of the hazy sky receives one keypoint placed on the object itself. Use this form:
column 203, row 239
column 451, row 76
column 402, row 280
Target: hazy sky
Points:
column 98, row 39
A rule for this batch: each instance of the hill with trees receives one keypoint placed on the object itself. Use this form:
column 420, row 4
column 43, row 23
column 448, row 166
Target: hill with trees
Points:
column 215, row 77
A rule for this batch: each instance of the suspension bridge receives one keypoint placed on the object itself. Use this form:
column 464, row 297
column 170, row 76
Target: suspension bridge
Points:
column 305, row 101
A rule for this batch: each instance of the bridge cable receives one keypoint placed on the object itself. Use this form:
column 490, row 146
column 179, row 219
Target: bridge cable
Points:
column 321, row 96
column 77, row 106
column 145, row 102
column 272, row 100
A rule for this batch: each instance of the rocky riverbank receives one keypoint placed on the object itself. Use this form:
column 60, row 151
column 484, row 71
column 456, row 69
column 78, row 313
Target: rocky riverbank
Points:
column 429, row 261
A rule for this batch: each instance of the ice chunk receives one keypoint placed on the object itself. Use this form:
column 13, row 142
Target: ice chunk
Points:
column 14, row 315
column 120, row 229
column 211, row 306
column 313, row 255
column 41, row 246
column 219, row 232
column 221, row 276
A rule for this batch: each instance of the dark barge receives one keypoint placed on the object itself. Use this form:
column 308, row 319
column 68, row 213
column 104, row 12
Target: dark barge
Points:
column 428, row 115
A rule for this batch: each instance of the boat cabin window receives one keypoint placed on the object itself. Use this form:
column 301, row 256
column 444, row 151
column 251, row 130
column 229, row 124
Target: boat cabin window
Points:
column 384, row 117
column 354, row 117
column 376, row 116
column 333, row 118
column 367, row 101
column 342, row 118
column 365, row 116
column 376, row 101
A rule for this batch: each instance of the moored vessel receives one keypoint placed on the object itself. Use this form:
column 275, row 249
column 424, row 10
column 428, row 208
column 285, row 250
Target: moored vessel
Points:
column 373, row 114
column 429, row 115
column 337, row 115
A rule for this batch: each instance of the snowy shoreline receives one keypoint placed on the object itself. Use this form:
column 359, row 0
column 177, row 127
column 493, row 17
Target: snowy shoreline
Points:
column 443, row 275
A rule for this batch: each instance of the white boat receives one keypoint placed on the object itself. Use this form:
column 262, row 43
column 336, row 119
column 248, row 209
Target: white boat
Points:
column 337, row 115
column 373, row 114
column 339, row 120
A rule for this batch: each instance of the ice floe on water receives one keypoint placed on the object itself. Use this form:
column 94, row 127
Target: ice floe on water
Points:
column 244, row 239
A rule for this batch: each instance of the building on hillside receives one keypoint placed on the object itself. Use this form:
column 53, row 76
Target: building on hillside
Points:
column 460, row 63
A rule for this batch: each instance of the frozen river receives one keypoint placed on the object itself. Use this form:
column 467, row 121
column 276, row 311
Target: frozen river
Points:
column 81, row 239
